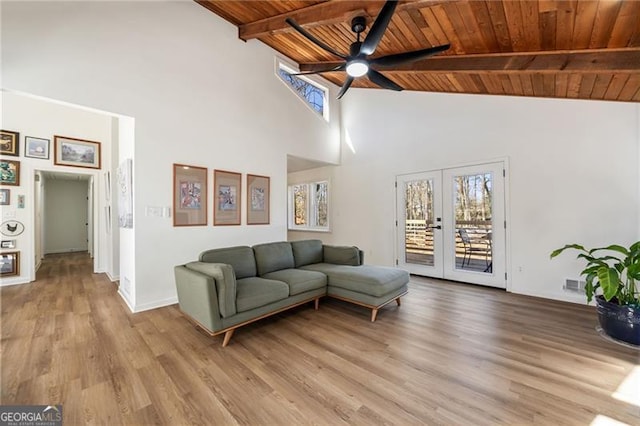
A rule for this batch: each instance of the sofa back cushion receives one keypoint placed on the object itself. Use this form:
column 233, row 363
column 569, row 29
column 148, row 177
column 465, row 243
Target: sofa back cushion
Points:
column 307, row 252
column 272, row 257
column 240, row 258
column 342, row 255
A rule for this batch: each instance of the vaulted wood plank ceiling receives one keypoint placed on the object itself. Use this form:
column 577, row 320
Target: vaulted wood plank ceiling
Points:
column 548, row 48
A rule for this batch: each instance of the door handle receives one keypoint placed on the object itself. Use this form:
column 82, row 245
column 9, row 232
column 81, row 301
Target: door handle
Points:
column 436, row 227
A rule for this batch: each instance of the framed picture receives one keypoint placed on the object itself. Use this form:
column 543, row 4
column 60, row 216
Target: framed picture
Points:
column 10, row 264
column 9, row 143
column 5, row 197
column 189, row 195
column 76, row 152
column 9, row 172
column 257, row 200
column 125, row 194
column 227, row 192
column 36, row 147
column 5, row 244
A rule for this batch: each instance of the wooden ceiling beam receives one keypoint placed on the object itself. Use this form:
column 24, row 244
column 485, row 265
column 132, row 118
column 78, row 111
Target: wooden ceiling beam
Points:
column 622, row 60
column 327, row 13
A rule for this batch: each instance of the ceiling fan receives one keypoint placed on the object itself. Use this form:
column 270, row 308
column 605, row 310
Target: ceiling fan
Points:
column 357, row 62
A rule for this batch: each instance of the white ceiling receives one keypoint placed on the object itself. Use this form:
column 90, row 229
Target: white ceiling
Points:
column 64, row 176
column 298, row 164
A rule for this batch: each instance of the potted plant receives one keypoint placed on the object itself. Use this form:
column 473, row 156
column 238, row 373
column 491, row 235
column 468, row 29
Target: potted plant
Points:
column 614, row 270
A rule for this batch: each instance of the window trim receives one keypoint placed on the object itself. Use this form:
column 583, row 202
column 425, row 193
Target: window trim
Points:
column 291, row 69
column 310, row 207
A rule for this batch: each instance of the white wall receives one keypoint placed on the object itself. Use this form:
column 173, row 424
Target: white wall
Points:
column 38, row 211
column 43, row 119
column 199, row 96
column 573, row 171
column 65, row 215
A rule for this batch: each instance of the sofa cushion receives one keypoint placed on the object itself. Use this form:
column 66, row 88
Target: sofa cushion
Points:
column 240, row 258
column 225, row 284
column 299, row 281
column 341, row 255
column 254, row 292
column 273, row 257
column 373, row 280
column 306, row 252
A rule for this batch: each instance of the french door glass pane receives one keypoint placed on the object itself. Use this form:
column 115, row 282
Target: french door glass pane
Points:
column 418, row 219
column 473, row 222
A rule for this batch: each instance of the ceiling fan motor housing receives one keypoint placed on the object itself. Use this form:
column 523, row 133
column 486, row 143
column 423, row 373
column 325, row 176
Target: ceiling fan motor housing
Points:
column 358, row 24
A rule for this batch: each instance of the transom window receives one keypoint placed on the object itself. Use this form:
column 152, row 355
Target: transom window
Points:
column 309, row 206
column 312, row 93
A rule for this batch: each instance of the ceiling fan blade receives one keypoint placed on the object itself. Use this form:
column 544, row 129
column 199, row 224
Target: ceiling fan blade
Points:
column 340, row 67
column 314, row 40
column 378, row 28
column 345, row 86
column 403, row 58
column 382, row 81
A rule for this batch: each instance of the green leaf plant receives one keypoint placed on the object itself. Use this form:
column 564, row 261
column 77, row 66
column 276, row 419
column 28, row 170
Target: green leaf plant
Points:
column 613, row 269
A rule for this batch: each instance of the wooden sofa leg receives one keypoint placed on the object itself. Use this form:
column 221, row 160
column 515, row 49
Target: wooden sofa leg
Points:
column 317, row 303
column 227, row 337
column 374, row 314
column 398, row 301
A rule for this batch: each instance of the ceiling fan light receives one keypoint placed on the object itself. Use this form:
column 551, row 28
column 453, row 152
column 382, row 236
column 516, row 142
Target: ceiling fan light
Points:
column 357, row 68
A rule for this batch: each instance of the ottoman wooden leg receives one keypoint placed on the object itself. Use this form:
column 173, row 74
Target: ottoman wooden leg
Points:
column 317, row 303
column 398, row 301
column 374, row 313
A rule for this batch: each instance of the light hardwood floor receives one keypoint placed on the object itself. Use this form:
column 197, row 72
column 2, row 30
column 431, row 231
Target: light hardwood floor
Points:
column 451, row 354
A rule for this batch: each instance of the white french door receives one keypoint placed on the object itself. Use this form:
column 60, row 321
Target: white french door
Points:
column 451, row 224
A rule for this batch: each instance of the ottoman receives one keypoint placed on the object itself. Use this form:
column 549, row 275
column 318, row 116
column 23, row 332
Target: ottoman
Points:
column 365, row 285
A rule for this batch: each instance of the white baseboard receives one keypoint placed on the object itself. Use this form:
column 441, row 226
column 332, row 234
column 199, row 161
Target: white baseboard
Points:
column 156, row 304
column 126, row 301
column 13, row 281
column 116, row 278
column 563, row 297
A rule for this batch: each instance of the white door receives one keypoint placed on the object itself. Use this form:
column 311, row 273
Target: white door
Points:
column 451, row 224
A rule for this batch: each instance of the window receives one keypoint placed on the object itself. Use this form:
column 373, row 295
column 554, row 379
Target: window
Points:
column 309, row 206
column 313, row 94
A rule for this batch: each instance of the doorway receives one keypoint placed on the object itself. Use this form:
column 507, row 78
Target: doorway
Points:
column 64, row 215
column 451, row 224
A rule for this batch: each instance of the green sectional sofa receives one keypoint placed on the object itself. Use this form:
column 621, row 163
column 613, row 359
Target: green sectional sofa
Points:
column 230, row 287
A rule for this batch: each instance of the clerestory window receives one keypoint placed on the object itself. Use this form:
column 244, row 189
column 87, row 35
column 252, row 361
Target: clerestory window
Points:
column 312, row 93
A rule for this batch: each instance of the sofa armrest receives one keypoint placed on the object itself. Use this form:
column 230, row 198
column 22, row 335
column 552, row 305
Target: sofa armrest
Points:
column 198, row 298
column 225, row 280
column 342, row 255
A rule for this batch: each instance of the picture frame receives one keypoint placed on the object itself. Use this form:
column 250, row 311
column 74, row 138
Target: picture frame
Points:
column 125, row 194
column 10, row 264
column 5, row 197
column 9, row 172
column 36, row 147
column 190, row 196
column 258, row 199
column 227, row 201
column 8, row 244
column 76, row 152
column 9, row 143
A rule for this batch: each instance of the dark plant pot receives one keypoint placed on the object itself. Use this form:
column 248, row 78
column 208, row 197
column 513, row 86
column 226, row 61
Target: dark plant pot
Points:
column 622, row 322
